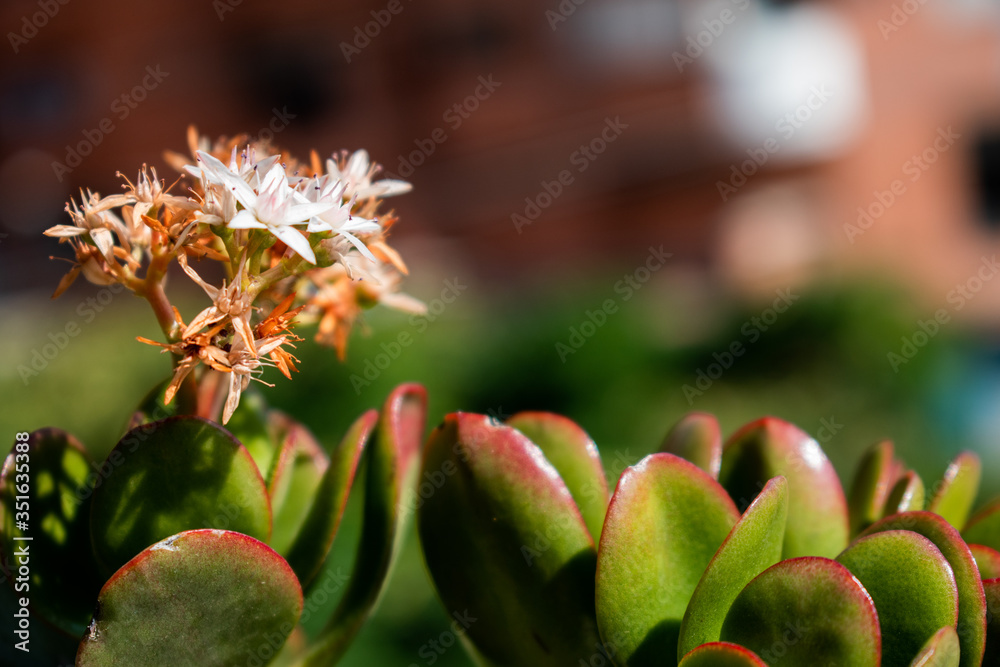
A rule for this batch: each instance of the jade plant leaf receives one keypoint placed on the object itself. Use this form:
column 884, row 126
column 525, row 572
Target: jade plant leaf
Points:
column 721, row 654
column 201, row 598
column 753, row 545
column 873, row 481
column 166, row 477
column 45, row 491
column 912, row 586
column 984, row 527
column 505, row 543
column 665, row 523
column 957, row 491
column 575, row 457
column 817, row 509
column 971, row 602
column 987, row 560
column 804, row 612
column 249, row 425
column 941, row 650
column 296, row 473
column 315, row 538
column 392, row 461
column 906, row 496
column 698, row 439
column 992, row 654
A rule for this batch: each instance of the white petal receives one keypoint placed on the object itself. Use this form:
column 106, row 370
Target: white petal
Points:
column 357, row 165
column 296, row 241
column 358, row 244
column 246, row 220
column 65, row 231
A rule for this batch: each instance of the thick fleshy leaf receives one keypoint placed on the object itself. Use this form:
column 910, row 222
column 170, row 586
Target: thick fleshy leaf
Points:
column 249, row 425
column 202, row 598
column 312, row 544
column 941, row 650
column 721, row 654
column 804, row 612
column 504, row 540
column 817, row 508
column 971, row 602
column 166, row 477
column 987, row 560
column 154, row 407
column 873, row 481
column 992, row 654
column 957, row 491
column 393, row 463
column 698, row 439
column 575, row 457
column 906, row 496
column 45, row 491
column 296, row 474
column 753, row 545
column 984, row 527
column 912, row 586
column 666, row 521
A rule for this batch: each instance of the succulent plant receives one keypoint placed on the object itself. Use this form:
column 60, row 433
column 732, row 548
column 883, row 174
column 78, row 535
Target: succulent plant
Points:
column 192, row 544
column 707, row 554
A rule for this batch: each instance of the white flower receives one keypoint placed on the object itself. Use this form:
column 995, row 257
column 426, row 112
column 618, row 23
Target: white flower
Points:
column 357, row 177
column 338, row 219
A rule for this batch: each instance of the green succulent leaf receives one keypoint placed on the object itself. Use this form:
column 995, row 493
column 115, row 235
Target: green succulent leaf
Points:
column 315, row 538
column 506, row 544
column 575, row 457
column 984, row 527
column 202, row 598
column 665, row 523
column 956, row 493
column 753, row 545
column 971, row 602
column 873, row 481
column 698, row 439
column 805, row 612
column 721, row 654
column 992, row 653
column 53, row 500
column 249, row 425
column 941, row 650
column 987, row 560
column 296, row 474
column 392, row 467
column 153, row 406
column 166, row 477
column 907, row 495
column 912, row 586
column 817, row 509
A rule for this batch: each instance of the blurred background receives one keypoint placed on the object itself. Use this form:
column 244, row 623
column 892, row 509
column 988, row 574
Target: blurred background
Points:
column 623, row 210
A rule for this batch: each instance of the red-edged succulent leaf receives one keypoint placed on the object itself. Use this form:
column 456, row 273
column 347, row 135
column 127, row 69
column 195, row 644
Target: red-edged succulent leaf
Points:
column 45, row 490
column 817, row 508
column 992, row 653
column 296, row 474
column 313, row 542
column 753, row 545
column 200, row 598
column 166, row 477
column 392, row 460
column 698, row 439
column 504, row 540
column 666, row 521
column 941, row 650
column 806, row 611
column 987, row 560
column 721, row 654
column 984, row 527
column 873, row 481
column 956, row 493
column 971, row 601
column 912, row 586
column 575, row 457
column 907, row 495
